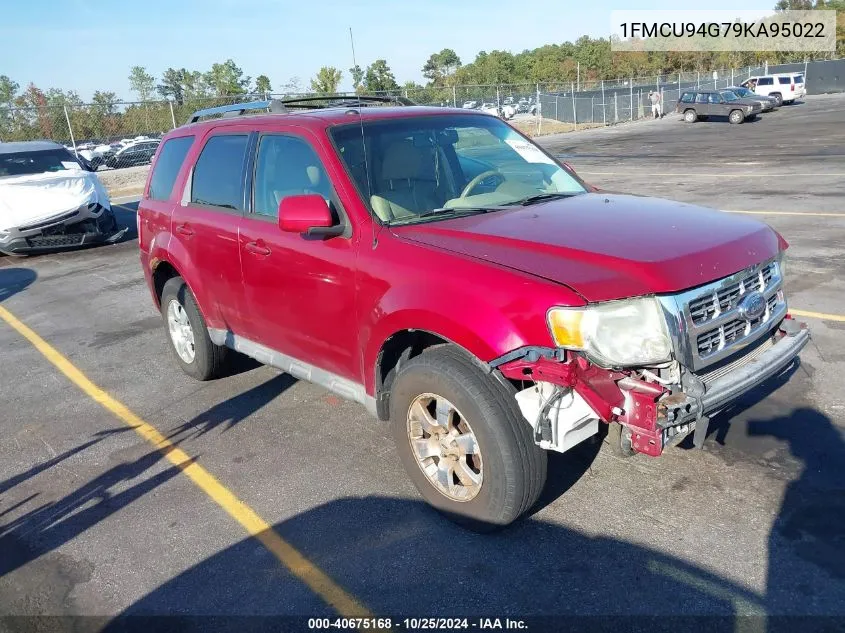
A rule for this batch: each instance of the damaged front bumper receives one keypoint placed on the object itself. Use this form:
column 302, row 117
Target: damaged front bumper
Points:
column 81, row 227
column 570, row 396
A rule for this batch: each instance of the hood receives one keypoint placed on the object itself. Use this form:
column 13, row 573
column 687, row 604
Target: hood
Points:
column 605, row 246
column 36, row 197
column 749, row 101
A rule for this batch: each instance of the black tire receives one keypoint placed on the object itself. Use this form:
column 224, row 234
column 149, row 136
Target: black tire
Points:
column 778, row 97
column 618, row 442
column 209, row 359
column 690, row 115
column 513, row 466
column 736, row 117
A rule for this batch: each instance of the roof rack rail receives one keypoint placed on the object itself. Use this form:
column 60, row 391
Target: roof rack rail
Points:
column 310, row 102
column 236, row 109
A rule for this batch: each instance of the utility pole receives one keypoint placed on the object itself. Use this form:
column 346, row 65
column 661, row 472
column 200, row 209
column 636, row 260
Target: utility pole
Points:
column 578, row 77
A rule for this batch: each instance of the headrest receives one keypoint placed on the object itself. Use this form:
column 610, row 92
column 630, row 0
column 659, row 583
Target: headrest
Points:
column 405, row 161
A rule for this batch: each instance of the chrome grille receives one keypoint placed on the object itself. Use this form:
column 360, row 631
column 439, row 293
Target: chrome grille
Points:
column 732, row 331
column 721, row 300
column 707, row 323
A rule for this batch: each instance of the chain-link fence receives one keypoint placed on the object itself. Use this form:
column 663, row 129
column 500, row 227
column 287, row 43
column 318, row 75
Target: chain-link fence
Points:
column 584, row 102
column 606, row 102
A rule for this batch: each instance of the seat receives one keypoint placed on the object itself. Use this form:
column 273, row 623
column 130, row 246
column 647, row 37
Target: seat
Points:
column 408, row 183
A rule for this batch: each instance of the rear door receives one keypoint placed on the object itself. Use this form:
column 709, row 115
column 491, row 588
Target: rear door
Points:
column 702, row 104
column 300, row 291
column 205, row 225
column 766, row 86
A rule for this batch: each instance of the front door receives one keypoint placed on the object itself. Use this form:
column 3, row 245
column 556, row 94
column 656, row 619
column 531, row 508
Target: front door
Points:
column 300, row 290
column 206, row 225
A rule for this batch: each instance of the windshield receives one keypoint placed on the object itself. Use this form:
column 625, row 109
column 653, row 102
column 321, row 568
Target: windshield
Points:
column 418, row 167
column 727, row 95
column 26, row 163
column 742, row 92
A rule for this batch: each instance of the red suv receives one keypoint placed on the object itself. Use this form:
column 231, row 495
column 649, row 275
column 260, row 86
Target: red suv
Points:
column 447, row 273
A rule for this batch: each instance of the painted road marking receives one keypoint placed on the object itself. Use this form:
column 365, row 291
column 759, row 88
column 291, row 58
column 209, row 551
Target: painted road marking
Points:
column 130, row 209
column 309, row 573
column 823, row 214
column 818, row 315
column 702, row 175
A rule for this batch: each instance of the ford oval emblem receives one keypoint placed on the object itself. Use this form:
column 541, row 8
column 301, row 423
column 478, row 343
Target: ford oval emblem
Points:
column 752, row 306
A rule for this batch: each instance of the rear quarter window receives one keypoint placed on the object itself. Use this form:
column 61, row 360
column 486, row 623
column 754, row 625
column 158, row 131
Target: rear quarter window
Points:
column 688, row 97
column 167, row 166
column 218, row 175
column 799, row 79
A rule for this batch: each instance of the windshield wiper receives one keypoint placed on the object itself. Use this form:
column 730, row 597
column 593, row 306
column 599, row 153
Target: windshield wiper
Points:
column 453, row 212
column 542, row 197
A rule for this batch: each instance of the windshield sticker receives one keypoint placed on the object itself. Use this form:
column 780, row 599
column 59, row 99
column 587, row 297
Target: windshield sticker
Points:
column 69, row 164
column 529, row 152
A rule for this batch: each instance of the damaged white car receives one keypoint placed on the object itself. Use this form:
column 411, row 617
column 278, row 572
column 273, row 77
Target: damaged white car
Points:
column 49, row 202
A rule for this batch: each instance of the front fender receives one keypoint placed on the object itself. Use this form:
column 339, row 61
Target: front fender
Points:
column 481, row 328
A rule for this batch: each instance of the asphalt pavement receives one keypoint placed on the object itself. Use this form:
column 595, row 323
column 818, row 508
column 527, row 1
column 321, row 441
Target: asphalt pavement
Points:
column 100, row 516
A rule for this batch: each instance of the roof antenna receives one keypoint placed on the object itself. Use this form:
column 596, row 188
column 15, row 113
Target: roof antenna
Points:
column 364, row 145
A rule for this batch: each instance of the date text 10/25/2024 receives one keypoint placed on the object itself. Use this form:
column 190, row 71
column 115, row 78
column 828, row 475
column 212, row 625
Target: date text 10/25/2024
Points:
column 418, row 624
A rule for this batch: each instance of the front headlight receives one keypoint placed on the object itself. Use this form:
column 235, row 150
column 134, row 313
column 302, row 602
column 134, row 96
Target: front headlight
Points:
column 614, row 334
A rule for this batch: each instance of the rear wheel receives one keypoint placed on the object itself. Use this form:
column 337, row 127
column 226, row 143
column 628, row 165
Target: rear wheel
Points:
column 778, row 97
column 196, row 354
column 690, row 116
column 463, row 441
column 736, row 117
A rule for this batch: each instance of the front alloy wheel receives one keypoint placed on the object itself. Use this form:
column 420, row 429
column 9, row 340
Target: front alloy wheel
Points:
column 445, row 413
column 736, row 117
column 445, row 447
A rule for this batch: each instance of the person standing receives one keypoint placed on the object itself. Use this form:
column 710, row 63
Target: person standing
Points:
column 655, row 99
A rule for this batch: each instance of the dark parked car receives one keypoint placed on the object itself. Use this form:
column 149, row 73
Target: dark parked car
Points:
column 768, row 103
column 136, row 154
column 702, row 104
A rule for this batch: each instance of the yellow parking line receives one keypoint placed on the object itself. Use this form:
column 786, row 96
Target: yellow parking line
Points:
column 700, row 175
column 818, row 315
column 314, row 577
column 809, row 213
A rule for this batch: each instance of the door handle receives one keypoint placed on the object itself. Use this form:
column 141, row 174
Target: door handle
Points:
column 185, row 230
column 257, row 249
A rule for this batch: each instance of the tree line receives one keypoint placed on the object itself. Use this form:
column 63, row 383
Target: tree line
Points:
column 25, row 113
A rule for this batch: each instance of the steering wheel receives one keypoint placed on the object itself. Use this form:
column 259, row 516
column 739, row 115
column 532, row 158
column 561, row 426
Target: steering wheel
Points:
column 472, row 184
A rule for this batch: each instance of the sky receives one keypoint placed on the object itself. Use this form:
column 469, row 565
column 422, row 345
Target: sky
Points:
column 88, row 45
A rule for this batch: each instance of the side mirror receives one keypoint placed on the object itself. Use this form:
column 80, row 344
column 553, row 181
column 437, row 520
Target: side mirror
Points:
column 308, row 214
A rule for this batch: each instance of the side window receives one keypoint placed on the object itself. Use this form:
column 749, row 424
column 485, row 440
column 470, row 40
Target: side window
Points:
column 766, row 81
column 687, row 97
column 701, row 98
column 218, row 175
column 286, row 166
column 167, row 166
column 785, row 80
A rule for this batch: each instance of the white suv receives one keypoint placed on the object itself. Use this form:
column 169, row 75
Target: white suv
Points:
column 783, row 87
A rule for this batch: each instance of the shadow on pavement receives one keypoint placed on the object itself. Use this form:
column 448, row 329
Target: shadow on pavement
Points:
column 234, row 410
column 402, row 559
column 14, row 280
